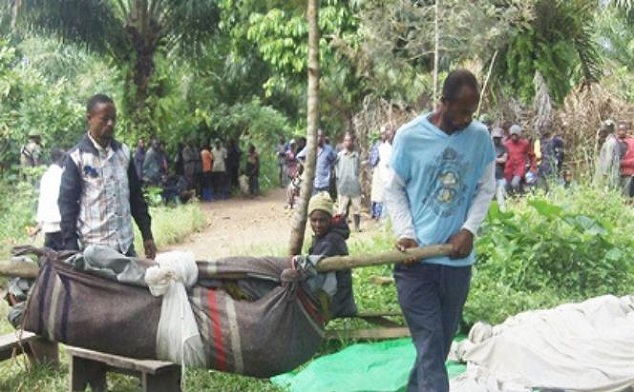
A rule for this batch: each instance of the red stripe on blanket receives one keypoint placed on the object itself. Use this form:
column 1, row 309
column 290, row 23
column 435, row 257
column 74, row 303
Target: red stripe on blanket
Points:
column 216, row 328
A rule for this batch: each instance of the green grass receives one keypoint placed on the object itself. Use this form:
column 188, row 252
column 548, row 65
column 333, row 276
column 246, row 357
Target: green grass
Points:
column 171, row 224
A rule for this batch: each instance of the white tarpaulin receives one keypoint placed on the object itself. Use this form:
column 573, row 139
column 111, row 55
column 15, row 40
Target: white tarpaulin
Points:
column 586, row 347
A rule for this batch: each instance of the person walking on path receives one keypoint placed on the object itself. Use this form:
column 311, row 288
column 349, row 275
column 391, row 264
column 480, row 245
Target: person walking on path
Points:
column 253, row 171
column 441, row 182
column 326, row 158
column 100, row 192
column 347, row 170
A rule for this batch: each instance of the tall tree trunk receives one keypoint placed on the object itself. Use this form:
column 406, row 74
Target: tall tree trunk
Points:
column 436, row 48
column 144, row 35
column 299, row 222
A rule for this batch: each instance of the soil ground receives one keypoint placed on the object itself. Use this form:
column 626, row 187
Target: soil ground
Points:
column 243, row 226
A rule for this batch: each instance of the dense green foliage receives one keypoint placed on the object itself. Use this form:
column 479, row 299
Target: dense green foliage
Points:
column 568, row 246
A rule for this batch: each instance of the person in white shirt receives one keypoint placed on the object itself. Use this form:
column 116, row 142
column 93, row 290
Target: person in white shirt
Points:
column 219, row 182
column 48, row 217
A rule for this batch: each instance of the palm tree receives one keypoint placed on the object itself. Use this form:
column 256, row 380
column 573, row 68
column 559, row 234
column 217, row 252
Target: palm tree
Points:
column 131, row 32
column 554, row 39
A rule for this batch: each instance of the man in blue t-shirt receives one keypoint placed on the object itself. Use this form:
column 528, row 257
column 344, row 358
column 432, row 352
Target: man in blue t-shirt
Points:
column 326, row 159
column 441, row 183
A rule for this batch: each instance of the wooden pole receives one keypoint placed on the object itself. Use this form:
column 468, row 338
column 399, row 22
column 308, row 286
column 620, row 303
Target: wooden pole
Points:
column 337, row 263
column 19, row 270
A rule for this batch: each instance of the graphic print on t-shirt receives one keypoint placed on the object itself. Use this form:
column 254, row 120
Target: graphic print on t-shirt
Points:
column 449, row 188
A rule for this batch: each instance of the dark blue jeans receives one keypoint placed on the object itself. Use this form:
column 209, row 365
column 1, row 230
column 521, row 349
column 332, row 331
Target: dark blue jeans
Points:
column 432, row 297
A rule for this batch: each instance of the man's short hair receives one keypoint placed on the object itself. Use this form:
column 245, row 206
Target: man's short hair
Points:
column 607, row 126
column 57, row 156
column 96, row 100
column 456, row 80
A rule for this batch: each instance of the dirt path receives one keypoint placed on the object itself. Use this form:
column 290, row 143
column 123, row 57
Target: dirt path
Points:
column 242, row 226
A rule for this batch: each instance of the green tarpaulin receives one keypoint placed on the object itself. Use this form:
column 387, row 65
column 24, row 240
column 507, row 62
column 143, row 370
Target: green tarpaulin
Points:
column 382, row 366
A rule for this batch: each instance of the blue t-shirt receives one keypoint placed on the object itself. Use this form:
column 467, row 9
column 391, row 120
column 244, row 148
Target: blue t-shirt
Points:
column 441, row 173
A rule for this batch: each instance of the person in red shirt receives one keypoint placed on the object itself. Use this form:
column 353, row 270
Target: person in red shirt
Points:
column 626, row 151
column 520, row 154
column 207, row 160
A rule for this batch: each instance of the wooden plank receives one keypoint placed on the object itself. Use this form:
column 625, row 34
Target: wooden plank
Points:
column 85, row 372
column 167, row 381
column 17, row 340
column 382, row 321
column 150, row 366
column 368, row 333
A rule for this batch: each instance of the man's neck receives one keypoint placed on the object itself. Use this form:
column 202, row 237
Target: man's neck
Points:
column 436, row 118
column 100, row 141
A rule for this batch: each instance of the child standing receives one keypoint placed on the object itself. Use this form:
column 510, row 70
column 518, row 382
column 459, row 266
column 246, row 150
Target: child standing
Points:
column 329, row 239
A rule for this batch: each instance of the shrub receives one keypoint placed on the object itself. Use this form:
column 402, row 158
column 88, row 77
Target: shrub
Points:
column 549, row 250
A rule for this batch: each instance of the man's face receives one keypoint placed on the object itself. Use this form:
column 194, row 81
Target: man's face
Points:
column 622, row 131
column 319, row 222
column 389, row 135
column 347, row 142
column 515, row 137
column 321, row 138
column 458, row 114
column 102, row 120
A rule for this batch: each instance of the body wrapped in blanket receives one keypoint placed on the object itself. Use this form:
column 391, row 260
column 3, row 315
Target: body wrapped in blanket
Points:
column 254, row 316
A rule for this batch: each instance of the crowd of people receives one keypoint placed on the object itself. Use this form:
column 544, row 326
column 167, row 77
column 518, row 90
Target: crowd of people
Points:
column 615, row 165
column 522, row 164
column 210, row 171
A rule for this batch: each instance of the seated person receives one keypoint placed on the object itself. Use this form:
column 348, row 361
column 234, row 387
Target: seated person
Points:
column 329, row 239
column 176, row 189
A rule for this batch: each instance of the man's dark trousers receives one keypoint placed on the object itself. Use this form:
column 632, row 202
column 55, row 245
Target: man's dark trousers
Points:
column 432, row 297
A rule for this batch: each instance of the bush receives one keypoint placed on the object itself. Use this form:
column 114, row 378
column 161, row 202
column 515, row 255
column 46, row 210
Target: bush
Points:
column 551, row 249
column 18, row 208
